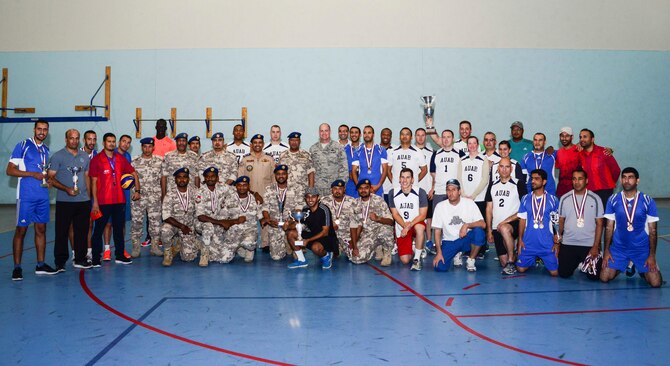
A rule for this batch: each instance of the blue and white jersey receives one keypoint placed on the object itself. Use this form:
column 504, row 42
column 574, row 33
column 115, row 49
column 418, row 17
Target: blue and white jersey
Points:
column 28, row 156
column 275, row 150
column 239, row 150
column 411, row 158
column 444, row 164
column 91, row 155
column 532, row 161
column 540, row 239
column 350, row 151
column 374, row 171
column 407, row 204
column 427, row 182
column 645, row 213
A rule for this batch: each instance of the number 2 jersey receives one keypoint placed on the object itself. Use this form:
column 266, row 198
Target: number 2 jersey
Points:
column 505, row 198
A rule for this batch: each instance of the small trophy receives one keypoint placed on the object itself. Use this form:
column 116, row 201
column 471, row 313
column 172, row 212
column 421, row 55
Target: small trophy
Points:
column 75, row 178
column 428, row 109
column 553, row 217
column 297, row 216
column 44, row 168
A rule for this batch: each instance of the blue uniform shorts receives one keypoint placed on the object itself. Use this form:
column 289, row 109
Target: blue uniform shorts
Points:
column 527, row 259
column 34, row 211
column 622, row 254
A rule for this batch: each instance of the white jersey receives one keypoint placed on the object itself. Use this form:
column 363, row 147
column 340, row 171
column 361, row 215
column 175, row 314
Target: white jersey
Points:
column 275, row 150
column 461, row 147
column 516, row 171
column 444, row 164
column 493, row 158
column 450, row 218
column 427, row 182
column 474, row 177
column 505, row 198
column 411, row 158
column 239, row 150
column 407, row 204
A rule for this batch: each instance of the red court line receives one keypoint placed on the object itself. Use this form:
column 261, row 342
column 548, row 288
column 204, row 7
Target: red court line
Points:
column 562, row 312
column 471, row 286
column 450, row 301
column 468, row 329
column 90, row 294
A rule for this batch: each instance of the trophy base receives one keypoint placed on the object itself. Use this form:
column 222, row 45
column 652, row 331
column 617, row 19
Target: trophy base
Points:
column 76, row 191
column 44, row 185
column 299, row 243
column 280, row 224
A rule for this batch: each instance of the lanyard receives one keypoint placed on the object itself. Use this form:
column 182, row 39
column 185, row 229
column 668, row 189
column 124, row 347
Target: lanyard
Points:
column 579, row 209
column 183, row 200
column 541, row 160
column 630, row 215
column 368, row 157
column 338, row 208
column 537, row 212
column 113, row 166
column 244, row 206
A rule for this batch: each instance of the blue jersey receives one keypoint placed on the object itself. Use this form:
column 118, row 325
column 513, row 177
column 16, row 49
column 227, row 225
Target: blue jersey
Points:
column 374, row 171
column 532, row 161
column 351, row 187
column 540, row 239
column 28, row 156
column 645, row 212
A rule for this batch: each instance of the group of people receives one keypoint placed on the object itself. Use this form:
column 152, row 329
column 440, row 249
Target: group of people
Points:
column 349, row 198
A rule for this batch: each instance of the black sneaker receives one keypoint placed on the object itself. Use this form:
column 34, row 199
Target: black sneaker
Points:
column 96, row 264
column 60, row 268
column 123, row 260
column 45, row 269
column 83, row 264
column 17, row 274
column 266, row 249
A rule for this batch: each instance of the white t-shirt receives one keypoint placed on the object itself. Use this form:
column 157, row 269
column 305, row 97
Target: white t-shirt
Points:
column 450, row 218
column 411, row 158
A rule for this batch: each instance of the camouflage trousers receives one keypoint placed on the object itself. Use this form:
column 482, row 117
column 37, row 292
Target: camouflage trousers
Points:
column 369, row 240
column 277, row 242
column 189, row 243
column 211, row 238
column 150, row 206
column 240, row 239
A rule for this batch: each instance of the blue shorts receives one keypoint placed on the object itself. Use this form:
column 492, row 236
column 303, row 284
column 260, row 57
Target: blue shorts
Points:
column 475, row 236
column 621, row 255
column 28, row 212
column 527, row 259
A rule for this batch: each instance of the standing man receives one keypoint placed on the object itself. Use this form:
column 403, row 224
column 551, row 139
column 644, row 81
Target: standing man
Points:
column 519, row 145
column 631, row 234
column 580, row 225
column 567, row 160
column 241, row 214
column 518, row 175
column 601, row 167
column 350, row 152
column 343, row 135
column 465, row 130
column 539, row 159
column 276, row 212
column 218, row 157
column 178, row 214
column 90, row 139
column 105, row 171
column 409, row 208
column 502, row 223
column 194, row 145
column 536, row 238
column 179, row 158
column 460, row 226
column 208, row 209
column 370, row 162
column 444, row 165
column 239, row 148
column 330, row 161
column 73, row 206
column 122, row 149
column 148, row 167
column 275, row 147
column 163, row 144
column 490, row 153
column 345, row 221
column 426, row 183
column 406, row 156
column 300, row 169
column 374, row 227
column 385, row 143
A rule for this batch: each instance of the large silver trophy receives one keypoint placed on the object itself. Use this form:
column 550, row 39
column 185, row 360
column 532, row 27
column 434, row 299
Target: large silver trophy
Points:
column 44, row 168
column 428, row 109
column 75, row 178
column 298, row 215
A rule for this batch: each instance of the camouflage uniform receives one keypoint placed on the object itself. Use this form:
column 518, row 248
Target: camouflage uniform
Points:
column 225, row 161
column 210, row 204
column 240, row 238
column 172, row 208
column 375, row 234
column 173, row 160
column 299, row 166
column 277, row 236
column 347, row 218
column 330, row 164
column 149, row 172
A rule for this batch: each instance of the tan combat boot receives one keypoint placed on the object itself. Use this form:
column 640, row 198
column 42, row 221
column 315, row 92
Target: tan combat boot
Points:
column 156, row 250
column 136, row 249
column 386, row 259
column 167, row 257
column 204, row 257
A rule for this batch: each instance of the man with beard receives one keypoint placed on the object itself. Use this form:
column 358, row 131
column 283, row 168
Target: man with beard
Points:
column 341, row 208
column 163, row 144
column 218, row 157
column 210, row 225
column 539, row 159
column 179, row 220
column 567, row 160
column 374, row 234
column 519, row 145
column 385, row 143
column 343, row 135
column 240, row 219
column 370, row 163
column 276, row 212
column 300, row 169
column 148, row 168
column 601, row 167
column 239, row 148
column 350, row 151
column 194, row 145
column 182, row 157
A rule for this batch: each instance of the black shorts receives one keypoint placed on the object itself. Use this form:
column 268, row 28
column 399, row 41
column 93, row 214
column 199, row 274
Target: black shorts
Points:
column 498, row 239
column 430, row 209
column 329, row 243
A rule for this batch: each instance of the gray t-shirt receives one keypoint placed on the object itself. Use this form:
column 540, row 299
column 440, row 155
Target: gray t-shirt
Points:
column 573, row 235
column 60, row 162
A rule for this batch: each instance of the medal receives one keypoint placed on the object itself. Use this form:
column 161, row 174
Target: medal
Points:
column 280, row 223
column 368, row 158
column 535, row 225
column 538, row 210
column 281, row 197
column 579, row 208
column 538, row 166
column 337, row 222
column 580, row 222
column 338, row 210
column 213, row 199
column 630, row 215
column 541, row 226
column 630, row 227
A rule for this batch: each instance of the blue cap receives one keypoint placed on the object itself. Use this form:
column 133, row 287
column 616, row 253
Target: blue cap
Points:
column 454, row 182
column 194, row 138
column 256, row 136
column 337, row 183
column 294, row 135
column 363, row 181
column 182, row 135
column 147, row 141
column 279, row 167
column 242, row 179
column 211, row 169
column 180, row 170
column 218, row 135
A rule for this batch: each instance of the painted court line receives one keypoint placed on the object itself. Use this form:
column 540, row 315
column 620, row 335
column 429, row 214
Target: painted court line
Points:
column 471, row 286
column 450, row 301
column 562, row 312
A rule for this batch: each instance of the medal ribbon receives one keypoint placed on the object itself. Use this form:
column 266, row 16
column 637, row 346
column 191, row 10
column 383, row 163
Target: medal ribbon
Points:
column 213, row 199
column 338, row 208
column 630, row 216
column 579, row 210
column 183, row 200
column 366, row 209
column 281, row 198
column 541, row 161
column 113, row 166
column 537, row 213
column 42, row 152
column 244, row 207
column 368, row 157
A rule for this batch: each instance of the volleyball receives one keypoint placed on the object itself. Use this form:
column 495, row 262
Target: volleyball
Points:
column 127, row 181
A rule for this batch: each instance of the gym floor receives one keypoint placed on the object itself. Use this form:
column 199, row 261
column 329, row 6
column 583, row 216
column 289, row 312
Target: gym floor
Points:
column 262, row 312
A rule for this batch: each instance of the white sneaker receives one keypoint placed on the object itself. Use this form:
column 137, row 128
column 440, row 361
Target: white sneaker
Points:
column 424, row 253
column 395, row 249
column 470, row 266
column 458, row 259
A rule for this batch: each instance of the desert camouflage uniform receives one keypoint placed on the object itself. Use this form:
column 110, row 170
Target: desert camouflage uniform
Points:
column 149, row 172
column 347, row 218
column 172, row 208
column 209, row 203
column 330, row 164
column 277, row 236
column 173, row 160
column 299, row 166
column 375, row 234
column 240, row 238
column 225, row 161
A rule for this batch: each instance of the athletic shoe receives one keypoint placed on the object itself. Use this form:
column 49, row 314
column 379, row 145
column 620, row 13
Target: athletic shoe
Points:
column 297, row 264
column 89, row 256
column 45, row 269
column 416, row 265
column 458, row 259
column 496, row 258
column 60, row 268
column 395, row 249
column 424, row 253
column 482, row 253
column 509, row 269
column 326, row 261
column 107, row 255
column 17, row 274
column 125, row 254
column 83, row 265
column 470, row 265
column 630, row 270
column 265, row 249
column 146, row 243
column 387, row 258
column 123, row 260
column 430, row 247
column 96, row 264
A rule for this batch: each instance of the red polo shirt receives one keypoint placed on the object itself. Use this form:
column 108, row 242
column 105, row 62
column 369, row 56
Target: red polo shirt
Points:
column 567, row 161
column 109, row 183
column 603, row 170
